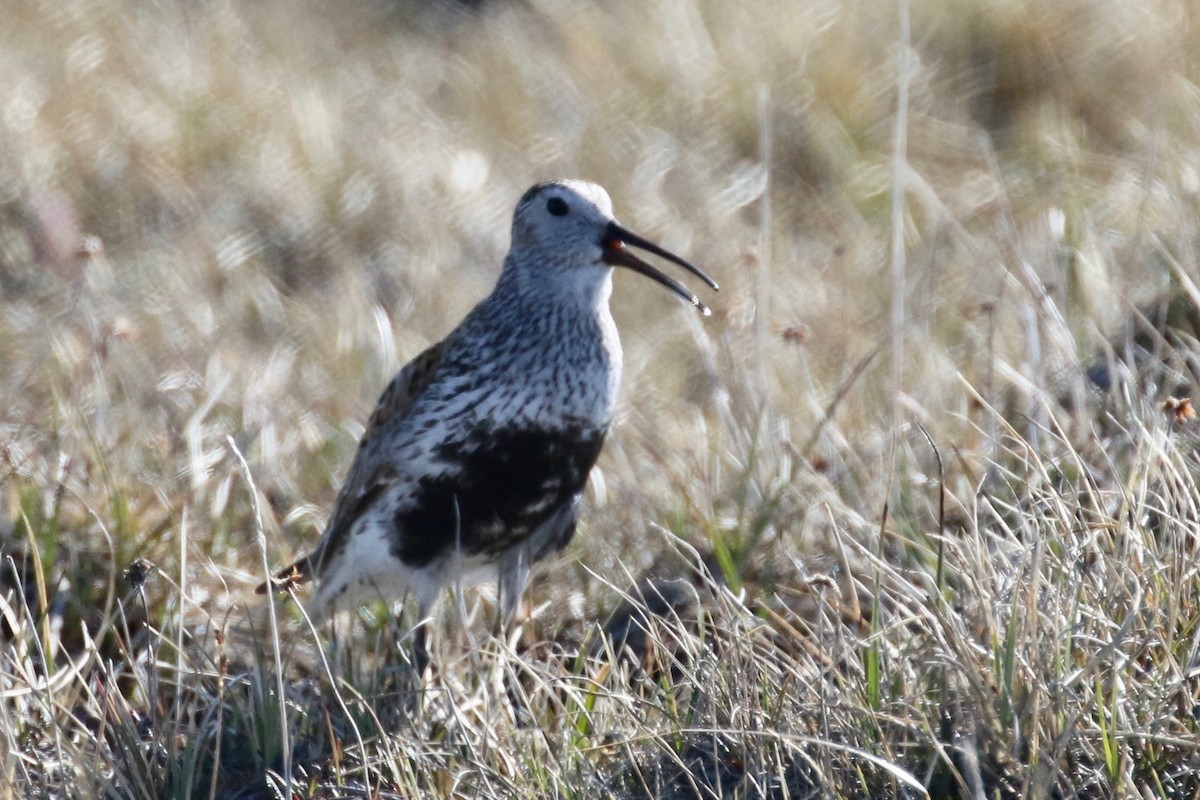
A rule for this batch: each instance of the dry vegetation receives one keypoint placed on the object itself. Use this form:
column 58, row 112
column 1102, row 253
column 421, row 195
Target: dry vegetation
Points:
column 946, row 546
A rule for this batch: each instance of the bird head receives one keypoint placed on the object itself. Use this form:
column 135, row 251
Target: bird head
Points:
column 567, row 228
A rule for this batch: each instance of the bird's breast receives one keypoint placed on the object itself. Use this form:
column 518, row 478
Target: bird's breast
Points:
column 559, row 374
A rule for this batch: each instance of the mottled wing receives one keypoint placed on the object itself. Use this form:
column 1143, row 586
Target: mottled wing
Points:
column 370, row 472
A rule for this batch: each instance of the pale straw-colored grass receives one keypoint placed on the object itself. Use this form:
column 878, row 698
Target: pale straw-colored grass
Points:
column 224, row 226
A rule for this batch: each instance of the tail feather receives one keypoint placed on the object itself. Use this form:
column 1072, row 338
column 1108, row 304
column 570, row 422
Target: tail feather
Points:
column 288, row 578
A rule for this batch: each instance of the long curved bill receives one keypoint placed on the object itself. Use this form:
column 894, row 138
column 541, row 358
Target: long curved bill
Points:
column 618, row 255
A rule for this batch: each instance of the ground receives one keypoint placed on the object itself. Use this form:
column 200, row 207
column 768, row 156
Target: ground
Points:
column 913, row 513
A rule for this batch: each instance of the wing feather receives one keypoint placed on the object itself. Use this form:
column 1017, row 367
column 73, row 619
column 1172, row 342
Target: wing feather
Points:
column 369, row 473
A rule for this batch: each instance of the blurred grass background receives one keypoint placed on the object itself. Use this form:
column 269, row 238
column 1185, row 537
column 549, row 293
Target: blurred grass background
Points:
column 239, row 219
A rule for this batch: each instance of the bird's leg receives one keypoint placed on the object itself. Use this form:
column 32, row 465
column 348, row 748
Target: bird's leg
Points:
column 514, row 574
column 420, row 656
column 412, row 677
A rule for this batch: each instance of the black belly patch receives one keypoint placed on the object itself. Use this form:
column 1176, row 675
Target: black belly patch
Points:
column 507, row 484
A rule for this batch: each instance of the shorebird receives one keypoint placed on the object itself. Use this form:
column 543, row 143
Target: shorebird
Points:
column 474, row 461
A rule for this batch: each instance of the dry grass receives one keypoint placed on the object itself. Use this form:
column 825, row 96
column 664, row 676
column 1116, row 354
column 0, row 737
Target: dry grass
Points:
column 981, row 582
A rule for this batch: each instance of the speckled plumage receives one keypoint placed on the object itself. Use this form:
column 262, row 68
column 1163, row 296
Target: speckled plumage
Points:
column 475, row 459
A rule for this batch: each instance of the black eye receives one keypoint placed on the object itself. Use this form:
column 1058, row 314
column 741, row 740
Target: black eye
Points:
column 557, row 206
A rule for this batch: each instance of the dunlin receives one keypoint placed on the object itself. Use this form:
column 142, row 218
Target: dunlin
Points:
column 475, row 460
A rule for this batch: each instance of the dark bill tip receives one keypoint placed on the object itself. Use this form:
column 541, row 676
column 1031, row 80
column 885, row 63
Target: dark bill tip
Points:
column 617, row 254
